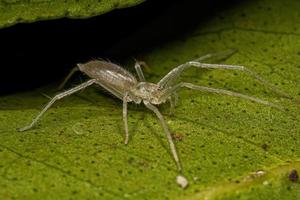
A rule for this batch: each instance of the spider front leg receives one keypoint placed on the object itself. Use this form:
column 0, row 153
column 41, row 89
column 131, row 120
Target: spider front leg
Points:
column 180, row 178
column 171, row 77
column 247, row 71
column 54, row 99
column 170, row 91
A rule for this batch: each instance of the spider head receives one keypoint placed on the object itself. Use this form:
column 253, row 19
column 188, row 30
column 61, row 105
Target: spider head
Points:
column 147, row 91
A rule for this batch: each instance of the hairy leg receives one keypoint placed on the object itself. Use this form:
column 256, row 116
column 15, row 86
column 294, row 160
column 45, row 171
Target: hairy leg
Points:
column 54, row 99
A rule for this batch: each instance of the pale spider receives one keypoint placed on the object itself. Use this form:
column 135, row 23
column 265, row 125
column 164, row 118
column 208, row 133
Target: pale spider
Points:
column 126, row 87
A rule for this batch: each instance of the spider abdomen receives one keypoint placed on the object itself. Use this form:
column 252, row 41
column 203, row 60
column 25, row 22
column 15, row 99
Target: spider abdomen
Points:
column 110, row 76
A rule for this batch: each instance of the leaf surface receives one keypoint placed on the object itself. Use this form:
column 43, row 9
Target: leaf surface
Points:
column 230, row 148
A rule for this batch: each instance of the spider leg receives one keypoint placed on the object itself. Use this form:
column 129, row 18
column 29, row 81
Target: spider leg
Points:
column 168, row 79
column 139, row 70
column 175, row 73
column 54, row 99
column 172, row 105
column 180, row 179
column 218, row 91
column 173, row 99
column 125, row 117
column 167, row 132
column 218, row 55
column 247, row 71
column 75, row 69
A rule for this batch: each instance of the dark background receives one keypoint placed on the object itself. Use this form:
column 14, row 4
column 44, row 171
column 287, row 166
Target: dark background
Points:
column 41, row 53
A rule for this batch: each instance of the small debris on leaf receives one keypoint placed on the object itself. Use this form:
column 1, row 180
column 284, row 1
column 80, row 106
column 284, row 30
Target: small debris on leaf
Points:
column 177, row 136
column 293, row 176
column 260, row 173
column 182, row 181
column 266, row 183
column 264, row 146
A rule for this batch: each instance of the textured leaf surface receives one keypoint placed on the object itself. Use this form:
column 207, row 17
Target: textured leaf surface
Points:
column 16, row 11
column 230, row 148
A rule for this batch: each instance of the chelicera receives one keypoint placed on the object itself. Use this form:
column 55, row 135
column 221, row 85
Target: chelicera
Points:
column 122, row 84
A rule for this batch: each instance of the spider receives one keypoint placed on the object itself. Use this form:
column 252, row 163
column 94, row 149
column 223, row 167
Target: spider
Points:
column 122, row 84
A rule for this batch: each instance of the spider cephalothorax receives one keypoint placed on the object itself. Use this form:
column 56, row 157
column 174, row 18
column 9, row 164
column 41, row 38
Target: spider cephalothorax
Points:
column 150, row 92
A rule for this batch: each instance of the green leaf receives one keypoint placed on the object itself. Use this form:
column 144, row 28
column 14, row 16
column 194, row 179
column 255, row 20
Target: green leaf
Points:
column 230, row 148
column 17, row 11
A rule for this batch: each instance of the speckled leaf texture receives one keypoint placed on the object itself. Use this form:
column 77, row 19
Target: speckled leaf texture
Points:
column 230, row 148
column 16, row 11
